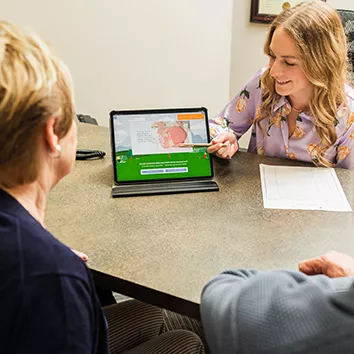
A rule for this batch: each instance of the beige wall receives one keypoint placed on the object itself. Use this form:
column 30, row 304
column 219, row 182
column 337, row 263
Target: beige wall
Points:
column 342, row 4
column 137, row 53
column 246, row 50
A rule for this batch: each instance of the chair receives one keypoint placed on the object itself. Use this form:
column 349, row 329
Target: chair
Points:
column 85, row 118
column 347, row 17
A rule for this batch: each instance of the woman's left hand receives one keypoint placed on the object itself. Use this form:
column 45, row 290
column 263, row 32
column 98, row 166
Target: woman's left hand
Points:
column 83, row 256
column 224, row 145
column 332, row 264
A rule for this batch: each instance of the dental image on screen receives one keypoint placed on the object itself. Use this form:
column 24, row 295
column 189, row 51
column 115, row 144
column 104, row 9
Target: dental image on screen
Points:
column 147, row 146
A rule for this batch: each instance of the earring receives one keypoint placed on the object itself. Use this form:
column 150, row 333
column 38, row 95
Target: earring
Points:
column 57, row 153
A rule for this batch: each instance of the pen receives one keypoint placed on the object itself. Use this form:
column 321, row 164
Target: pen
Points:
column 199, row 145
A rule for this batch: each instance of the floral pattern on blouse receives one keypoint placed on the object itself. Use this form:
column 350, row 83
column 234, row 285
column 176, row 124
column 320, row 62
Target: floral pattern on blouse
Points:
column 271, row 138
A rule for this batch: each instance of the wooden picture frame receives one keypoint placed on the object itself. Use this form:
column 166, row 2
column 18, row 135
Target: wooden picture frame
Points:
column 259, row 13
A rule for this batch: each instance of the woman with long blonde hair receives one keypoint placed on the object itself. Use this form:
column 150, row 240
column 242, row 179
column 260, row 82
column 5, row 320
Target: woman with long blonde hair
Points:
column 300, row 106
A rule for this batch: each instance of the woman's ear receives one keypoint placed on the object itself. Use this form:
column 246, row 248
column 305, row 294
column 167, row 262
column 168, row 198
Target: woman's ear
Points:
column 51, row 138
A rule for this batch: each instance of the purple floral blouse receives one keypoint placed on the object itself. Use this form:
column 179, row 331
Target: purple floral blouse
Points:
column 273, row 140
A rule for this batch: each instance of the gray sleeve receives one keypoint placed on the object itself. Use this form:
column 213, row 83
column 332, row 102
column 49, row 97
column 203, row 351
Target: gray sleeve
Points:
column 249, row 311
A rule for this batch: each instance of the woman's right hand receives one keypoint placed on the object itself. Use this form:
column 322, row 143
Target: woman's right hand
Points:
column 224, row 145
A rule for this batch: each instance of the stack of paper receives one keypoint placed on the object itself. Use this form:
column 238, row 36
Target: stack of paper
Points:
column 305, row 188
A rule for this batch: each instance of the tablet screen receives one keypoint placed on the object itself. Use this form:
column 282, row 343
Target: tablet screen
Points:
column 146, row 145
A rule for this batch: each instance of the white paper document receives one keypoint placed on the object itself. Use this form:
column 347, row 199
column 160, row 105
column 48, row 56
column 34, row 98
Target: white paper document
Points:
column 304, row 188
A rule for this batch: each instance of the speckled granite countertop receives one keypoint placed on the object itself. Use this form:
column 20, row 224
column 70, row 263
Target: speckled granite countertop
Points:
column 176, row 243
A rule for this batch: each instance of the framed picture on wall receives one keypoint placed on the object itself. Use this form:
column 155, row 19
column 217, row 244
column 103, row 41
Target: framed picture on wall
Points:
column 264, row 11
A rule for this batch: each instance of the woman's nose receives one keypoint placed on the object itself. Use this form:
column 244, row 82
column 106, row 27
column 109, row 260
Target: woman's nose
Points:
column 275, row 69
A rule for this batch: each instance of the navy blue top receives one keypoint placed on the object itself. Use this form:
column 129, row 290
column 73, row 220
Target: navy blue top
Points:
column 47, row 299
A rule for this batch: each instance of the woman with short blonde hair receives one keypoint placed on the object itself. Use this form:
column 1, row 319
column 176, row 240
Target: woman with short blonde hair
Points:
column 48, row 302
column 35, row 86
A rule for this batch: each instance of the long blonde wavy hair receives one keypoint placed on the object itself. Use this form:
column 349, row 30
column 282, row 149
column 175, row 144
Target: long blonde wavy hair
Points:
column 321, row 43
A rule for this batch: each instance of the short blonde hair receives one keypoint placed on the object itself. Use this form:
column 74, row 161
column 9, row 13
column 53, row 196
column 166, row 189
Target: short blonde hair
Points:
column 320, row 39
column 34, row 85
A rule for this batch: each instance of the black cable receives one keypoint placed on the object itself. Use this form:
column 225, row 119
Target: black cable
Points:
column 84, row 154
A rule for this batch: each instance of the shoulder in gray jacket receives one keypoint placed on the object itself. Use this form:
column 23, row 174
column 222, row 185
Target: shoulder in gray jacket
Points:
column 249, row 311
